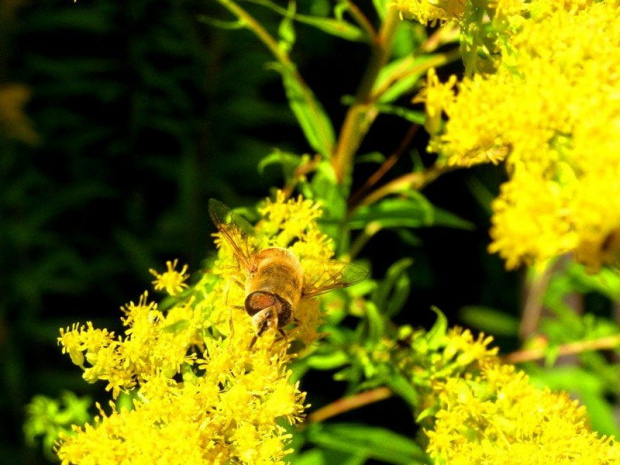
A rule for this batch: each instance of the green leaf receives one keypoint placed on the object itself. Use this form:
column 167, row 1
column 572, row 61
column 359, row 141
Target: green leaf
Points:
column 600, row 412
column 408, row 237
column 490, row 320
column 287, row 160
column 334, row 27
column 405, row 390
column 481, row 193
column 337, row 27
column 412, row 212
column 403, row 43
column 428, row 412
column 414, row 116
column 317, row 456
column 436, row 336
column 371, row 157
column 450, row 220
column 325, row 187
column 606, row 281
column 401, row 76
column 329, row 361
column 309, row 112
column 309, row 457
column 393, row 291
column 371, row 442
column 375, row 324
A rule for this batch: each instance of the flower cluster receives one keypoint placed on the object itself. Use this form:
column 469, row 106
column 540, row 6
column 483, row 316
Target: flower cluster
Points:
column 198, row 391
column 474, row 409
column 549, row 109
column 425, row 11
column 497, row 416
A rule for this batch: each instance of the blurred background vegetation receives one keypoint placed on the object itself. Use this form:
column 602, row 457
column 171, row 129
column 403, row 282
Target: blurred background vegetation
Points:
column 119, row 120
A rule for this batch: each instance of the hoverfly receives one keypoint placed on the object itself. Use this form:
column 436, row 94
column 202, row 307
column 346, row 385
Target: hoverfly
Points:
column 275, row 282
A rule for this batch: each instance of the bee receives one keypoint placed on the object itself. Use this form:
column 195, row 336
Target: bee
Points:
column 275, row 282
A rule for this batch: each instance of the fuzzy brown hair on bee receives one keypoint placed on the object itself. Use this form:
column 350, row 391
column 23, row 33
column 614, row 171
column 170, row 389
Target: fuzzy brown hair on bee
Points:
column 275, row 281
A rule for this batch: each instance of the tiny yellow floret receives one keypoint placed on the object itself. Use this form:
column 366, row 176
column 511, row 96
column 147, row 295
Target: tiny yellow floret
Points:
column 171, row 280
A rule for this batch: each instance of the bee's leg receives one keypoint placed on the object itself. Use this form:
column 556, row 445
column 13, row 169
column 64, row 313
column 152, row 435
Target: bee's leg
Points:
column 285, row 347
column 274, row 324
column 230, row 318
column 231, row 326
column 254, row 339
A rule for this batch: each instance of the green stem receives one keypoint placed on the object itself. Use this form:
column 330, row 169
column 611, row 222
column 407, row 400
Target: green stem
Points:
column 362, row 20
column 282, row 57
column 347, row 404
column 258, row 30
column 571, row 348
column 411, row 181
column 361, row 113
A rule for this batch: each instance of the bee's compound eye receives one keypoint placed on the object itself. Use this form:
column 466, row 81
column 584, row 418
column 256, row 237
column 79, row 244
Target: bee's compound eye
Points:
column 257, row 301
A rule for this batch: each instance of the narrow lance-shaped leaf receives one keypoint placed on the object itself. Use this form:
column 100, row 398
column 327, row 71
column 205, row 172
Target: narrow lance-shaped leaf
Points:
column 395, row 212
column 374, row 443
column 436, row 335
column 337, row 27
column 334, row 27
column 393, row 291
column 309, row 112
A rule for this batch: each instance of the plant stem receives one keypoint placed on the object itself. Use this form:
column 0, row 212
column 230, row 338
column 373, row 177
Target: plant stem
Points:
column 361, row 113
column 385, row 166
column 361, row 19
column 258, row 30
column 416, row 181
column 529, row 355
column 349, row 403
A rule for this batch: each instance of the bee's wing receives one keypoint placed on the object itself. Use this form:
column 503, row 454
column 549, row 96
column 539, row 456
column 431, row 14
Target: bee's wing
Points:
column 239, row 234
column 335, row 275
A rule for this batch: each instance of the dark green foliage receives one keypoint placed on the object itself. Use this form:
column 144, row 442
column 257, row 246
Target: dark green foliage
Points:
column 135, row 122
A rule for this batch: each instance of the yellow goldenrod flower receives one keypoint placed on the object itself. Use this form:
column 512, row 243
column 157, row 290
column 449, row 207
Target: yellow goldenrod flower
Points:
column 530, row 221
column 171, row 280
column 199, row 394
column 483, row 411
column 549, row 109
column 499, row 417
column 437, row 97
column 430, row 11
column 476, row 410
